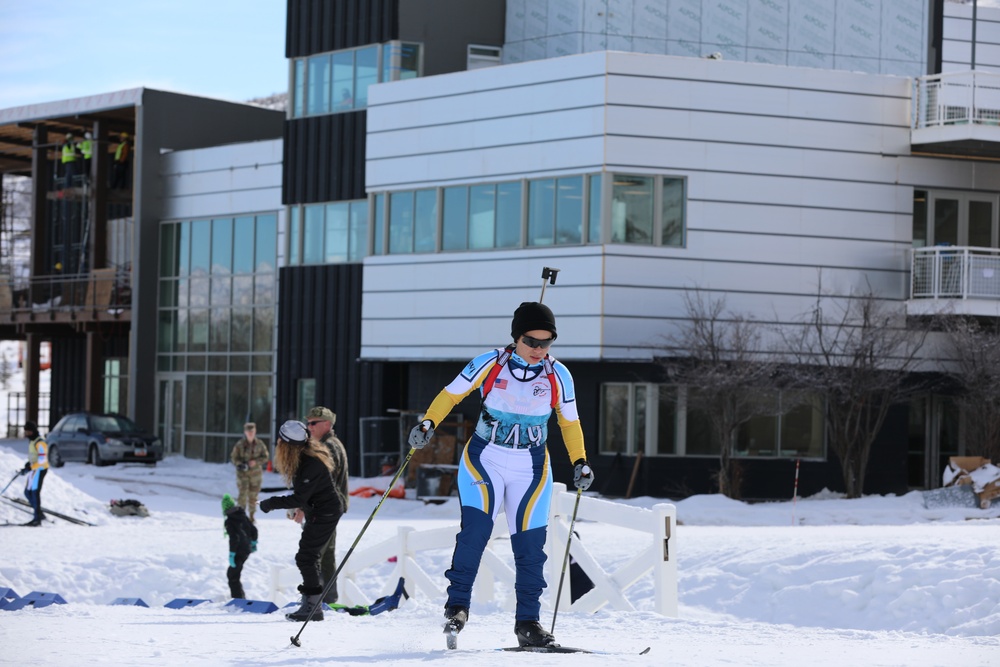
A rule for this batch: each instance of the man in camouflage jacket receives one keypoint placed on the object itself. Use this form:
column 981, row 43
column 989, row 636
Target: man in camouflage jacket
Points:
column 250, row 457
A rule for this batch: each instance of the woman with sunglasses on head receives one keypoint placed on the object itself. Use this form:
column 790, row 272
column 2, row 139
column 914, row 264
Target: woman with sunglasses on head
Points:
column 506, row 462
column 307, row 467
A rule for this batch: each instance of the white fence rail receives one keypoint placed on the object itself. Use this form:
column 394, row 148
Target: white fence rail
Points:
column 956, row 97
column 656, row 553
column 955, row 272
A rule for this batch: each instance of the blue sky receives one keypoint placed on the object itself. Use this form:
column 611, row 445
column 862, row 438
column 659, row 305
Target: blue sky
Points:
column 59, row 49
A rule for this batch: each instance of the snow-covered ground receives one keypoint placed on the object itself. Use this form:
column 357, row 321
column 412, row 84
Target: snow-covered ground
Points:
column 828, row 581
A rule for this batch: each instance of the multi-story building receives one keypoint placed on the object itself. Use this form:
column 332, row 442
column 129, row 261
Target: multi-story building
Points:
column 438, row 153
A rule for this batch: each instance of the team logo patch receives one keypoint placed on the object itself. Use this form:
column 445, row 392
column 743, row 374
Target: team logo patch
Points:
column 540, row 389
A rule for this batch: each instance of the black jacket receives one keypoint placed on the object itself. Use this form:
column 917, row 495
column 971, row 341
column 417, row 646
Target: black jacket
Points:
column 312, row 490
column 241, row 531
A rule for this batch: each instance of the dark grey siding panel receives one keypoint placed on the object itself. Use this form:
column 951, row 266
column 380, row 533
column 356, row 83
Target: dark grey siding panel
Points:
column 324, row 158
column 317, row 26
column 319, row 336
column 447, row 27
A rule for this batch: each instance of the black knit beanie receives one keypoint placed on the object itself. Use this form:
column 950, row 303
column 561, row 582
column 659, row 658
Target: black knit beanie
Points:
column 530, row 316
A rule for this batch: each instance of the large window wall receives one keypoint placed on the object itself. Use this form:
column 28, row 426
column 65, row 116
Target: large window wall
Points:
column 338, row 81
column 656, row 419
column 216, row 326
column 328, row 233
column 567, row 210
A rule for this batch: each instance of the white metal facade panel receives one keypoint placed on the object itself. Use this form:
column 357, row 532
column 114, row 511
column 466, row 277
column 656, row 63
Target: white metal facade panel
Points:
column 798, row 181
column 221, row 181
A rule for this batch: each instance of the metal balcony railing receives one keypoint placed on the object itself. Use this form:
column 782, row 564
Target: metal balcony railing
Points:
column 953, row 272
column 105, row 292
column 955, row 98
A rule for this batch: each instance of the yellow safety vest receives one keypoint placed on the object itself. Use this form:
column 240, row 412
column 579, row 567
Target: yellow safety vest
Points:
column 86, row 147
column 68, row 153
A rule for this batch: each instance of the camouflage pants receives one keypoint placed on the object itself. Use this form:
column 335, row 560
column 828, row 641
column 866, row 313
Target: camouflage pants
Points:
column 248, row 482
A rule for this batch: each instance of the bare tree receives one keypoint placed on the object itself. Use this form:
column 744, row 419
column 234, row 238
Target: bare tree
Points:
column 859, row 354
column 975, row 351
column 728, row 374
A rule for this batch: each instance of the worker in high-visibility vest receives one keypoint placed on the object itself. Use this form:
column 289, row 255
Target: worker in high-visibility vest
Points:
column 87, row 151
column 69, row 155
column 119, row 169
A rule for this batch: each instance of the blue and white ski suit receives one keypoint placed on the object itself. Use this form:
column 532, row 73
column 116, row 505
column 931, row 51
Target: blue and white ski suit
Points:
column 506, row 465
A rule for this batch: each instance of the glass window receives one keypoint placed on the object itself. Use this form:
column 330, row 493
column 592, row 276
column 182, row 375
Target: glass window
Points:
column 367, row 74
column 482, row 216
column 337, row 227
column 802, row 428
column 221, row 290
column 194, row 411
column 700, row 438
column 638, row 428
column 409, row 61
column 299, row 89
column 201, row 244
column 293, row 235
column 167, row 331
column 508, row 224
column 632, row 209
column 672, row 213
column 198, row 325
column 222, row 245
column 614, row 418
column 306, row 394
column 184, row 249
column 220, row 330
column 594, row 214
column 980, row 224
column 425, row 221
column 541, row 212
column 919, row 218
column 569, row 210
column 312, row 234
column 343, row 80
column 216, row 399
column 378, row 225
column 199, row 292
column 319, row 85
column 358, row 241
column 168, row 250
column 666, row 431
column 243, row 290
column 260, row 403
column 243, row 237
column 266, row 252
column 242, row 322
column 400, row 223
column 263, row 328
column 454, row 227
column 239, row 403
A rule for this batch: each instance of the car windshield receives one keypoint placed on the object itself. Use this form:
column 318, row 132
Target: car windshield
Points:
column 113, row 424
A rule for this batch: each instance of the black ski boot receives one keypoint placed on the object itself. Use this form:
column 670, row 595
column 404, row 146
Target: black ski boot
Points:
column 308, row 602
column 456, row 617
column 531, row 633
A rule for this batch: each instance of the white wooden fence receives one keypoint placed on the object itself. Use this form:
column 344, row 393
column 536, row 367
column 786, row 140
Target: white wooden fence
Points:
column 656, row 552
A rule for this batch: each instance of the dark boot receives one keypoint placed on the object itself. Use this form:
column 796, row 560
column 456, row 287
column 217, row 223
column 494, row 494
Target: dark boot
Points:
column 308, row 602
column 456, row 617
column 531, row 633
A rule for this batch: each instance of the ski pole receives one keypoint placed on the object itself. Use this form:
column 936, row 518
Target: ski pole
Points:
column 562, row 575
column 329, row 584
column 548, row 277
column 16, row 475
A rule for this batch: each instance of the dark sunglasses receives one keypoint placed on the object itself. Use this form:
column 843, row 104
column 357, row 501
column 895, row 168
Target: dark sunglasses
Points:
column 537, row 343
column 318, row 421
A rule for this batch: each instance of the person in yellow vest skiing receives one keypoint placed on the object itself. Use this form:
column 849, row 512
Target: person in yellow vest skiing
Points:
column 506, row 463
column 250, row 457
column 36, row 469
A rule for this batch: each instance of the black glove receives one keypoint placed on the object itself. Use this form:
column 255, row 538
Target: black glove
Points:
column 267, row 505
column 421, row 434
column 242, row 466
column 26, row 469
column 583, row 474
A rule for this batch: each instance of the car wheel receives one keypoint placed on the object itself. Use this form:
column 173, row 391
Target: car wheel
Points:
column 95, row 456
column 55, row 458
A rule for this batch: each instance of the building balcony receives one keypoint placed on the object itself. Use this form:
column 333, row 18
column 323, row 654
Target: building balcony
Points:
column 99, row 296
column 957, row 114
column 954, row 280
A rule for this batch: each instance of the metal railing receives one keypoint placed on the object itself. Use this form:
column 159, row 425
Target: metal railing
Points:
column 107, row 290
column 955, row 98
column 953, row 272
